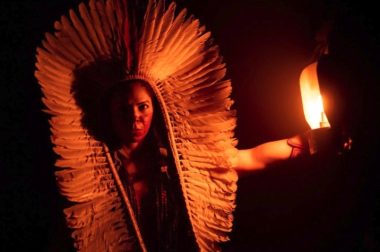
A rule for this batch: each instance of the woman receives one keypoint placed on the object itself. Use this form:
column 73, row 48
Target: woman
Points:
column 141, row 155
column 170, row 180
column 132, row 112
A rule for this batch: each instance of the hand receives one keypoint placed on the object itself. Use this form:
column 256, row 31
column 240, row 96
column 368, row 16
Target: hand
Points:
column 328, row 140
column 321, row 140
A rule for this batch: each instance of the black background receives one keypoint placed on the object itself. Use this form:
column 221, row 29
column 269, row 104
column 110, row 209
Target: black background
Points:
column 319, row 203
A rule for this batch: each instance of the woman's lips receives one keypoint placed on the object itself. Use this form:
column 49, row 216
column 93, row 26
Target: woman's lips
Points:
column 137, row 126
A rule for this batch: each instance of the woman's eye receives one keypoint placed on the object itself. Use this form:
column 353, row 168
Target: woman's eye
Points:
column 143, row 107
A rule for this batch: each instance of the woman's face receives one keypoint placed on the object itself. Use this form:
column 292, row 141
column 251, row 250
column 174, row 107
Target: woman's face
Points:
column 132, row 114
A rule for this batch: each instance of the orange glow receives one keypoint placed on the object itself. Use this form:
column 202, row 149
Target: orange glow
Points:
column 312, row 99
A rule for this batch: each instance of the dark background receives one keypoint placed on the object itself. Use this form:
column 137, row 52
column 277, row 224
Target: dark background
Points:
column 319, row 203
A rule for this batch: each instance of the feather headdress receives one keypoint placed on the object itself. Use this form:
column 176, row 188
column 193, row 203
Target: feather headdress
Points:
column 175, row 55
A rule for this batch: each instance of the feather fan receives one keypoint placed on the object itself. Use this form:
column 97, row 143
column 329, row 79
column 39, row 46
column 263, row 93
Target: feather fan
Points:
column 176, row 56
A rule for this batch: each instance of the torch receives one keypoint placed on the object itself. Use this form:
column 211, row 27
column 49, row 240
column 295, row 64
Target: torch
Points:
column 322, row 137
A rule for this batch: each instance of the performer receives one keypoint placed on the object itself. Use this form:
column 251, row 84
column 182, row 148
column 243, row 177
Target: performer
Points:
column 143, row 126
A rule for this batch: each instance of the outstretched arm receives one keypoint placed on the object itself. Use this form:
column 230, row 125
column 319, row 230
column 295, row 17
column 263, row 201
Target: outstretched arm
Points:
column 268, row 153
column 322, row 140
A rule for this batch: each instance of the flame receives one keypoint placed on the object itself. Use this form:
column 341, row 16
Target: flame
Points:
column 311, row 98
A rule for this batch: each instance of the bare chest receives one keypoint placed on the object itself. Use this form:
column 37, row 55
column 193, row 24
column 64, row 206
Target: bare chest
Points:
column 138, row 178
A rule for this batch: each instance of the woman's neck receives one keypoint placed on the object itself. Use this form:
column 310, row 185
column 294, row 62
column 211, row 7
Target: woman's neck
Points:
column 133, row 160
column 131, row 148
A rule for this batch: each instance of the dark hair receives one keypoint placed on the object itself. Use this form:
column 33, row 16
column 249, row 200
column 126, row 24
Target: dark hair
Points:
column 90, row 85
column 125, row 86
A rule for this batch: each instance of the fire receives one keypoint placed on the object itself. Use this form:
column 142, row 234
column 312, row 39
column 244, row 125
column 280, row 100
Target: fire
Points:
column 311, row 98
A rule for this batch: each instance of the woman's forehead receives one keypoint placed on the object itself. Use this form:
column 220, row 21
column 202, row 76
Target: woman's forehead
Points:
column 134, row 94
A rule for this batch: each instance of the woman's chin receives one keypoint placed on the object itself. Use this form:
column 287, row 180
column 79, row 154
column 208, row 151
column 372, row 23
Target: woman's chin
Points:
column 135, row 139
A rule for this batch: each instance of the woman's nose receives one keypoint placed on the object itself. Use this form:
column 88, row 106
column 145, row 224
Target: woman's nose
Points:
column 136, row 113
